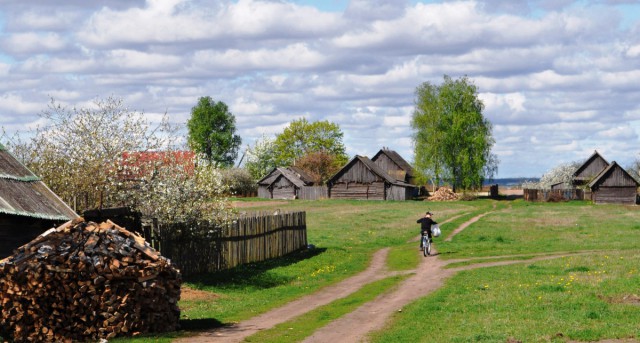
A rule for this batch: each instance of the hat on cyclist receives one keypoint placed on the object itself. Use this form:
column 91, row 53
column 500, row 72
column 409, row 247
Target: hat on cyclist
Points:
column 429, row 213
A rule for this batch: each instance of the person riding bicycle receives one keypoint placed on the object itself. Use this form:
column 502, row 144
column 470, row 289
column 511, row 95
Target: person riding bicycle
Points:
column 425, row 225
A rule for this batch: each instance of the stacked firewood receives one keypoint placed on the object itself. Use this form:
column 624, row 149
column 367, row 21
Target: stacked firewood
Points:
column 443, row 194
column 86, row 281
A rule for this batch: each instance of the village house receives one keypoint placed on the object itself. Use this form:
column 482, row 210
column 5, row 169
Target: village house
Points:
column 27, row 206
column 614, row 185
column 396, row 166
column 363, row 179
column 283, row 183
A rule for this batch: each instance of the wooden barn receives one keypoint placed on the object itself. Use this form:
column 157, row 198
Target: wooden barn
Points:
column 396, row 166
column 283, row 183
column 614, row 185
column 362, row 179
column 27, row 206
column 589, row 169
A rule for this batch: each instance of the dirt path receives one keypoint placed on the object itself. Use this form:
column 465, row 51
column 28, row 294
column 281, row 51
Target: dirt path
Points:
column 354, row 326
column 237, row 332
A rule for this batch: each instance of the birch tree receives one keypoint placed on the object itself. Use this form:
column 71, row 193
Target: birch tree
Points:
column 452, row 138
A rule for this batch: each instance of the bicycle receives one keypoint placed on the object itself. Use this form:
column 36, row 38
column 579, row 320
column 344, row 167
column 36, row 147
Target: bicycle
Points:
column 426, row 245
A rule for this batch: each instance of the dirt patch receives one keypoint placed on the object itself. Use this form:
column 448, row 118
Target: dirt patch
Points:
column 631, row 299
column 190, row 294
column 247, row 204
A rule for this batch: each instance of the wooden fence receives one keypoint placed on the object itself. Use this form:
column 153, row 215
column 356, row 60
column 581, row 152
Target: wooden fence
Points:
column 197, row 248
column 313, row 193
column 553, row 194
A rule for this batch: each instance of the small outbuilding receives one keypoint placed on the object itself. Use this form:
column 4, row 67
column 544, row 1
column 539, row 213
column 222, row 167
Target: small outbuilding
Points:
column 283, row 183
column 614, row 185
column 363, row 179
column 589, row 169
column 27, row 206
column 396, row 166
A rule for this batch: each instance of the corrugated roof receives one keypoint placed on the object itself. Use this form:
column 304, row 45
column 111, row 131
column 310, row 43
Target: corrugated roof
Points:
column 22, row 193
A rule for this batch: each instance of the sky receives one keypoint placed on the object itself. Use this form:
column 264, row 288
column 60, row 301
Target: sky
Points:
column 558, row 78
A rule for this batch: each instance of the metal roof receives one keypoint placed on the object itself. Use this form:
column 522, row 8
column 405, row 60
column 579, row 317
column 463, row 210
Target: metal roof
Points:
column 22, row 193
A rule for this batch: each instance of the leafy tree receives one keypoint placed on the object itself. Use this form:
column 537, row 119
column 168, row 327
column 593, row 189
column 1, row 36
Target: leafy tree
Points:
column 302, row 137
column 452, row 139
column 319, row 165
column 212, row 132
column 260, row 158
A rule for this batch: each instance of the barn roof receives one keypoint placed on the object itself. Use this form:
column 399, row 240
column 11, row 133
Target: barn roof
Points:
column 22, row 193
column 594, row 157
column 301, row 174
column 369, row 164
column 294, row 175
column 625, row 180
column 396, row 158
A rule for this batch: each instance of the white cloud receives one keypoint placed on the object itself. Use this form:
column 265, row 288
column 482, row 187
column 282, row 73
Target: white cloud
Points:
column 557, row 79
column 33, row 43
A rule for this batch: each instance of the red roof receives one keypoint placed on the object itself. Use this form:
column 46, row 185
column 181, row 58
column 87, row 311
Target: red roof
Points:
column 138, row 164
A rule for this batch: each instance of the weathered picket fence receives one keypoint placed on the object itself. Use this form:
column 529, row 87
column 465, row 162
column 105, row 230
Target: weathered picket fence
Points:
column 198, row 248
column 553, row 194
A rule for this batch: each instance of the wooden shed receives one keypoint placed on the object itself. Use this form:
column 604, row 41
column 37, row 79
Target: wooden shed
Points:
column 396, row 166
column 362, row 179
column 283, row 183
column 589, row 169
column 27, row 206
column 614, row 186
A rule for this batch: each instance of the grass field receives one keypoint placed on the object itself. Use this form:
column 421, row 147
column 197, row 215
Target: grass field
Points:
column 580, row 297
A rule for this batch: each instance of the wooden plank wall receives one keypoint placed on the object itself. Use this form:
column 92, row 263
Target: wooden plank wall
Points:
column 313, row 193
column 358, row 191
column 358, row 173
column 251, row 238
column 615, row 195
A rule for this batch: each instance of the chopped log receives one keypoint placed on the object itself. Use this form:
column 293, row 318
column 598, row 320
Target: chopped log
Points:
column 84, row 282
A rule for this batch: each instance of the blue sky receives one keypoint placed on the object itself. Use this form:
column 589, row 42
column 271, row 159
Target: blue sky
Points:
column 559, row 78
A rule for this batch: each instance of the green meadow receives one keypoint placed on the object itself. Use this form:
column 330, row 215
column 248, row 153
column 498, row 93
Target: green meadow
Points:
column 586, row 290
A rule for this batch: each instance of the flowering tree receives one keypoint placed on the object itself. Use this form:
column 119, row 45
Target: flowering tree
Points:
column 260, row 157
column 563, row 173
column 173, row 188
column 81, row 154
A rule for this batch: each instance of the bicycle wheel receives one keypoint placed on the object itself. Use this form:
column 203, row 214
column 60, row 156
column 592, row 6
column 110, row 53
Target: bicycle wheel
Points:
column 426, row 246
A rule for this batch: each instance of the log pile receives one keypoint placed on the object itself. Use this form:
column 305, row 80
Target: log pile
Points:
column 443, row 194
column 86, row 281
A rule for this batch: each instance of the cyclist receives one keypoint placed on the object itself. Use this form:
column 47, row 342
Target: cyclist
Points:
column 425, row 225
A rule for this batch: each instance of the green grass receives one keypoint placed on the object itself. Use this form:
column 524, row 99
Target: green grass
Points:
column 522, row 301
column 578, row 297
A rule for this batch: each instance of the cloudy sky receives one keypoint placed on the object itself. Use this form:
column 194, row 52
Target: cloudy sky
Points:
column 559, row 78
